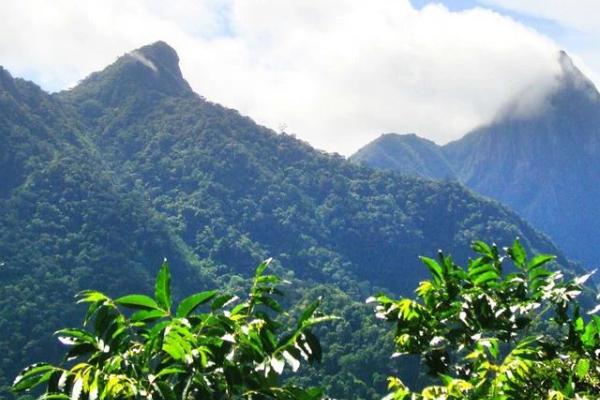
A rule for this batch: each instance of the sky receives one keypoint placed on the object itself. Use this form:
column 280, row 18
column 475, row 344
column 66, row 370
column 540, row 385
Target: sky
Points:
column 336, row 73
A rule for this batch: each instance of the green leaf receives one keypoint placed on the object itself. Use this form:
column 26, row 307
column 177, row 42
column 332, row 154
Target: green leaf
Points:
column 319, row 320
column 486, row 277
column 446, row 379
column 261, row 267
column 536, row 277
column 75, row 335
column 582, row 368
column 309, row 311
column 589, row 334
column 434, row 268
column 170, row 371
column 158, row 329
column 491, row 344
column 90, row 296
column 79, row 350
column 482, row 248
column 220, row 301
column 475, row 271
column 174, row 348
column 424, row 288
column 190, row 303
column 273, row 279
column 162, row 288
column 539, row 273
column 32, row 376
column 517, row 253
column 271, row 303
column 147, row 315
column 138, row 301
column 314, row 345
column 240, row 308
column 96, row 299
column 539, row 260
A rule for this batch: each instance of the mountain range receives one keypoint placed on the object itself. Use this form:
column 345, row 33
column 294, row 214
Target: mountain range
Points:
column 545, row 163
column 100, row 182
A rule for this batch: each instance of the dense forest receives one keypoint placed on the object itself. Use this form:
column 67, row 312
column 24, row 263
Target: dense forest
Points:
column 101, row 182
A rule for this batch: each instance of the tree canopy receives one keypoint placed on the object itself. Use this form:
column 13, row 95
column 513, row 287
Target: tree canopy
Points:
column 496, row 331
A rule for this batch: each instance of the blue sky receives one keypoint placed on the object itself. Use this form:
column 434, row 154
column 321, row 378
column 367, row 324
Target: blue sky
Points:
column 545, row 26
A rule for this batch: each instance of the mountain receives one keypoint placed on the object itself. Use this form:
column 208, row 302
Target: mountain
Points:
column 544, row 164
column 100, row 182
column 408, row 154
column 65, row 225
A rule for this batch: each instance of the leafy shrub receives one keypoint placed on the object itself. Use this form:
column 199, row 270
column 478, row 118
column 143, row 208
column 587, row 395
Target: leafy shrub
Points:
column 486, row 333
column 234, row 349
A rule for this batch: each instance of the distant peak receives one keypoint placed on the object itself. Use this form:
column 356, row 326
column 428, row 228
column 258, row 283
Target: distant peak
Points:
column 159, row 48
column 401, row 137
column 392, row 135
column 566, row 63
column 158, row 56
column 572, row 77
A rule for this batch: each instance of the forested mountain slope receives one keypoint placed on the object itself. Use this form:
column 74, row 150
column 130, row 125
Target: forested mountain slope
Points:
column 544, row 164
column 100, row 182
column 65, row 225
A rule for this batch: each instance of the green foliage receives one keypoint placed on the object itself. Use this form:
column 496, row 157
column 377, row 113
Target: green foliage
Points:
column 236, row 348
column 486, row 333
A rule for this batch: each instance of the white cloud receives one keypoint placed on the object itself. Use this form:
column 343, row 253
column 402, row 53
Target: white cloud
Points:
column 578, row 14
column 581, row 18
column 141, row 58
column 336, row 72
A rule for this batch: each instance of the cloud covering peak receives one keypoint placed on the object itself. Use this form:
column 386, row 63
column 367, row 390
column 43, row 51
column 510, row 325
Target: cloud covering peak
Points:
column 336, row 72
column 141, row 58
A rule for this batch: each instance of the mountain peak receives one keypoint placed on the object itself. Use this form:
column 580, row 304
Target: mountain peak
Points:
column 155, row 66
column 399, row 137
column 407, row 154
column 152, row 69
column 571, row 77
column 564, row 59
column 158, row 56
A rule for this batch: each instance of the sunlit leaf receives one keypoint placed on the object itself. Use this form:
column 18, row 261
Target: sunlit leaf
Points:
column 138, row 301
column 190, row 303
column 162, row 288
column 517, row 253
